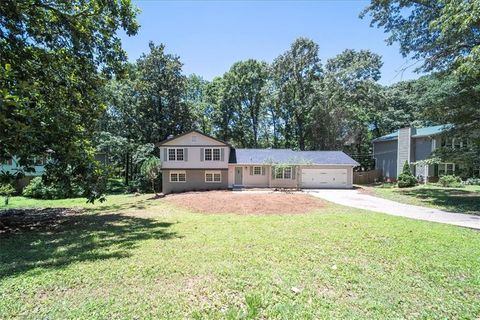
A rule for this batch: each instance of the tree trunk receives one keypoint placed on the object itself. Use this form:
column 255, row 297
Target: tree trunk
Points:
column 153, row 186
column 127, row 167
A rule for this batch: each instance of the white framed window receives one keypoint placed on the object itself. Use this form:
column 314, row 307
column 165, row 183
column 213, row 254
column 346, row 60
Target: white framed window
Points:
column 213, row 176
column 212, row 154
column 446, row 169
column 283, row 173
column 175, row 154
column 178, row 176
column 257, row 171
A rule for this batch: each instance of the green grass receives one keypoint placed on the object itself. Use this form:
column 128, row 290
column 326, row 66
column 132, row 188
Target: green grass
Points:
column 140, row 258
column 465, row 199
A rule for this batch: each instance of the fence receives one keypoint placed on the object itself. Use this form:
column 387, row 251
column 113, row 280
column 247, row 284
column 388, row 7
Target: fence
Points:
column 367, row 177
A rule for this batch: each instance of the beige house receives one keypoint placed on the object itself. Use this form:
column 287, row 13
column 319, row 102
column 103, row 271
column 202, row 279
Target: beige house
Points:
column 195, row 161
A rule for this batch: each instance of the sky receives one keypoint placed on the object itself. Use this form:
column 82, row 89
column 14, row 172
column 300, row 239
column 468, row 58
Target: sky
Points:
column 209, row 36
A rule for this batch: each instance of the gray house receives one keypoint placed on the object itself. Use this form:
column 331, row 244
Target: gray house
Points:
column 195, row 161
column 412, row 145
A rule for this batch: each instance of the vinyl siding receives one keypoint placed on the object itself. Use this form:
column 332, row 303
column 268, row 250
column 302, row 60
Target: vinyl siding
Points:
column 385, row 154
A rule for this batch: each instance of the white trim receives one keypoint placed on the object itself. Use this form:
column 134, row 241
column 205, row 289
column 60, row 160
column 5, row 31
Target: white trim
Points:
column 213, row 173
column 260, row 171
column 177, row 173
column 282, row 169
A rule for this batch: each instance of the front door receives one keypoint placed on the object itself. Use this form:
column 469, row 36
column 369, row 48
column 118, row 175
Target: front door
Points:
column 238, row 176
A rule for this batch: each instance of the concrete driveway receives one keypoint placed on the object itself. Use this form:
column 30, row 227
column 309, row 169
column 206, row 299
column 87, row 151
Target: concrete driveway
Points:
column 357, row 199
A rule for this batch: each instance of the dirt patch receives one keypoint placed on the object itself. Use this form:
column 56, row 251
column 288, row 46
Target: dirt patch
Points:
column 245, row 203
column 17, row 220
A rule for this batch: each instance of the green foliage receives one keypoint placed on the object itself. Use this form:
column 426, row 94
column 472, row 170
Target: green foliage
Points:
column 406, row 178
column 39, row 190
column 472, row 181
column 450, row 181
column 6, row 191
column 406, row 168
column 57, row 56
column 150, row 169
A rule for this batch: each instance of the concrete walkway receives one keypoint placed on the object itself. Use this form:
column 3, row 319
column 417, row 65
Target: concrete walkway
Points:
column 357, row 199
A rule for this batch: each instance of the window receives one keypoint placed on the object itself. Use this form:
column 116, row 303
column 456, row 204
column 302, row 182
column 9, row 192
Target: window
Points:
column 283, row 173
column 175, row 154
column 7, row 162
column 212, row 154
column 178, row 176
column 446, row 169
column 457, row 143
column 257, row 171
column 213, row 176
column 216, row 154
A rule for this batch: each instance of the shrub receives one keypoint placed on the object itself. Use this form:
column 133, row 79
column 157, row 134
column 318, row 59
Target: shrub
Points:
column 450, row 181
column 37, row 189
column 406, row 180
column 6, row 190
column 472, row 181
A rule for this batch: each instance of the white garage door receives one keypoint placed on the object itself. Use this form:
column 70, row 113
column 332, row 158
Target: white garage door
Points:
column 324, row 178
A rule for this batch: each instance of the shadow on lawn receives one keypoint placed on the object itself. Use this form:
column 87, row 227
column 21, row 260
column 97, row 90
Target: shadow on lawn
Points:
column 55, row 238
column 455, row 200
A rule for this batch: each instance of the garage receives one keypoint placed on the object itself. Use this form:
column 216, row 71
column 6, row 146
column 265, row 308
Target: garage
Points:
column 324, row 178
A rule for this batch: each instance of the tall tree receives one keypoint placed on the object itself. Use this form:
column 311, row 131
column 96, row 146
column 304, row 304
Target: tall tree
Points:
column 160, row 87
column 296, row 72
column 196, row 98
column 445, row 36
column 244, row 84
column 54, row 57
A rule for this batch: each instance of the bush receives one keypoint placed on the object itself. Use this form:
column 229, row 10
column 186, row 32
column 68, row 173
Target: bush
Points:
column 450, row 181
column 406, row 180
column 38, row 190
column 472, row 181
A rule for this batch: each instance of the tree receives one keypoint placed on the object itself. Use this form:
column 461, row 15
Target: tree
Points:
column 244, row 83
column 223, row 109
column 6, row 191
column 196, row 98
column 55, row 56
column 444, row 34
column 296, row 72
column 160, row 86
column 151, row 169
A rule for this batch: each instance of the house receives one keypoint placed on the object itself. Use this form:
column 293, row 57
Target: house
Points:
column 196, row 161
column 412, row 145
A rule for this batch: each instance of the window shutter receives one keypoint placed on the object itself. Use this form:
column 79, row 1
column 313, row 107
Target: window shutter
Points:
column 273, row 173
column 293, row 173
column 251, row 170
column 201, row 154
column 263, row 171
column 165, row 156
column 185, row 154
column 222, row 154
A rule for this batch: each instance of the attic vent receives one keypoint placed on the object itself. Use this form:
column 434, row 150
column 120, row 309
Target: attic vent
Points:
column 194, row 138
column 170, row 136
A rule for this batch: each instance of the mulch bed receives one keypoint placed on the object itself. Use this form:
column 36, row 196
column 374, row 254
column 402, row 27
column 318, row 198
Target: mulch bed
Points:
column 245, row 203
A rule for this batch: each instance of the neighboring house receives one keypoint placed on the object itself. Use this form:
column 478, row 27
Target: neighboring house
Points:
column 196, row 161
column 412, row 145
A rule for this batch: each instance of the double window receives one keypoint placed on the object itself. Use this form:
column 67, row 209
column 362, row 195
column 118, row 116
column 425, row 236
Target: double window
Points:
column 283, row 173
column 212, row 154
column 175, row 154
column 446, row 169
column 213, row 176
column 178, row 176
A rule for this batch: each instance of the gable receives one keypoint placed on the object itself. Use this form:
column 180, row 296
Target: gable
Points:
column 193, row 138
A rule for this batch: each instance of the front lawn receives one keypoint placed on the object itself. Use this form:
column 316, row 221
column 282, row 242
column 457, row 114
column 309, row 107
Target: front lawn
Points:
column 138, row 258
column 464, row 200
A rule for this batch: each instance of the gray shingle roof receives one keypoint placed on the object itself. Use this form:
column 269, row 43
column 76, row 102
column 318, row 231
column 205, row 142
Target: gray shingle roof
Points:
column 288, row 156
